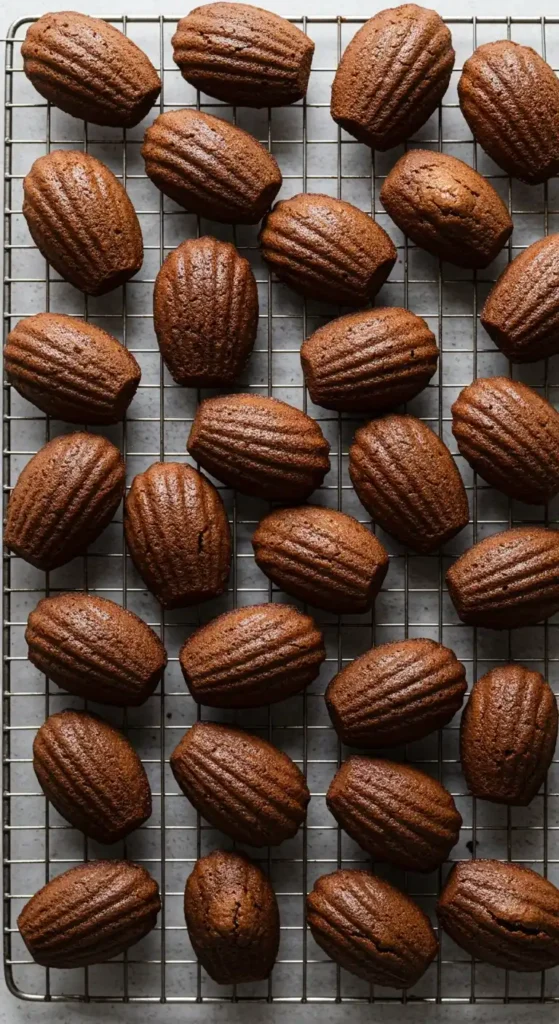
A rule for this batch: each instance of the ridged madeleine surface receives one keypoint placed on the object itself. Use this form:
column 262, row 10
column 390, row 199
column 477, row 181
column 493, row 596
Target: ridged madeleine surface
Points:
column 89, row 69
column 241, row 784
column 397, row 813
column 327, row 249
column 71, row 369
column 82, row 221
column 178, row 534
column 64, row 498
column 252, row 656
column 392, row 75
column 510, row 435
column 371, row 928
column 396, row 693
column 90, row 913
column 321, row 556
column 210, row 167
column 509, row 579
column 243, row 55
column 205, row 306
column 406, row 478
column 503, row 914
column 507, row 735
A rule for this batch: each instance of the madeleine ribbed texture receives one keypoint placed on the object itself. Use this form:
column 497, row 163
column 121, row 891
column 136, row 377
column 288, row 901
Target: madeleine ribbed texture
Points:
column 507, row 735
column 90, row 914
column 510, row 435
column 503, row 914
column 210, row 167
column 396, row 693
column 178, row 534
column 446, row 207
column 371, row 928
column 89, row 69
column 260, row 446
column 241, row 784
column 406, row 478
column 392, row 75
column 82, row 221
column 509, row 579
column 64, row 498
column 232, row 917
column 321, row 556
column 327, row 249
column 205, row 306
column 252, row 656
column 243, row 55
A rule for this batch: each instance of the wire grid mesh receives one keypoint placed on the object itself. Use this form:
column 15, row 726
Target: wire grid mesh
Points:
column 315, row 156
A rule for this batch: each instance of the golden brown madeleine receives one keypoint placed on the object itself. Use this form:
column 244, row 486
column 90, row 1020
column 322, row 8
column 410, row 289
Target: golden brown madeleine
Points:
column 392, row 75
column 507, row 735
column 178, row 534
column 210, row 167
column 82, row 221
column 503, row 914
column 64, row 498
column 510, row 99
column 252, row 656
column 510, row 435
column 89, row 69
column 95, row 649
column 327, row 249
column 407, row 479
column 241, row 784
column 90, row 913
column 205, row 311
column 396, row 693
column 447, row 208
column 371, row 928
column 509, row 579
column 321, row 556
column 232, row 917
column 243, row 55
column 71, row 369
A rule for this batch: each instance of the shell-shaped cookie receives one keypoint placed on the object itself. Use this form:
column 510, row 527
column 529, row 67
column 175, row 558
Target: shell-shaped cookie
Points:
column 447, row 208
column 392, row 75
column 509, row 579
column 243, row 55
column 89, row 69
column 82, row 221
column 396, row 693
column 178, row 534
column 71, row 369
column 509, row 96
column 321, row 556
column 232, row 917
column 260, row 446
column 210, row 167
column 507, row 735
column 327, row 249
column 64, row 498
column 396, row 813
column 241, row 783
column 90, row 913
column 95, row 649
column 406, row 478
column 503, row 914
column 371, row 928
column 252, row 656
column 510, row 435
column 92, row 775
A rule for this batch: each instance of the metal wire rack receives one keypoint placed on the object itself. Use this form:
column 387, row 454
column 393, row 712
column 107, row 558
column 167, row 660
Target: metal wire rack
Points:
column 315, row 156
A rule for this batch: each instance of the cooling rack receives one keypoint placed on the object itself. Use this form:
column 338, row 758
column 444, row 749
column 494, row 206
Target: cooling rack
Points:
column 314, row 155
